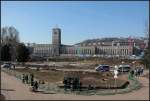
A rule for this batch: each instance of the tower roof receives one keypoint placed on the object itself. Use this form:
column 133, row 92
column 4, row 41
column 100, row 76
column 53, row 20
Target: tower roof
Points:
column 56, row 27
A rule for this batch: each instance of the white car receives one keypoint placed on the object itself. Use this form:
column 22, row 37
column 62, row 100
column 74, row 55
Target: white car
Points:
column 124, row 68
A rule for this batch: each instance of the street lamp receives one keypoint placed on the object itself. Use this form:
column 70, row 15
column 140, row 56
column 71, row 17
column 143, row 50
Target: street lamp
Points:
column 122, row 64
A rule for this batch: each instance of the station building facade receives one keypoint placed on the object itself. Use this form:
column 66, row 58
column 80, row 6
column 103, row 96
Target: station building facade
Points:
column 114, row 48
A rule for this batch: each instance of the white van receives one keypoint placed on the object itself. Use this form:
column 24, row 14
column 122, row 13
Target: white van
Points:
column 124, row 68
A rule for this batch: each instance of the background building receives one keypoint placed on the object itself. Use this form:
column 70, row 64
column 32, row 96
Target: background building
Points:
column 56, row 41
column 105, row 47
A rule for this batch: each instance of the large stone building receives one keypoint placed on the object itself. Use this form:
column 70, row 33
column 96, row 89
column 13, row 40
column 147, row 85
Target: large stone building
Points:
column 107, row 48
column 56, row 41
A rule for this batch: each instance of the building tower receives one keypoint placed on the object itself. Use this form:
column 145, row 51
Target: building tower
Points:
column 56, row 41
column 130, row 42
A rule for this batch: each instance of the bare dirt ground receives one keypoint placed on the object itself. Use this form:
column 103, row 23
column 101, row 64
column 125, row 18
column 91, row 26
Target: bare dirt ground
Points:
column 2, row 97
column 14, row 89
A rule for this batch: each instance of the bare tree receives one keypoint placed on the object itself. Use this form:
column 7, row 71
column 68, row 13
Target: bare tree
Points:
column 10, row 35
column 147, row 33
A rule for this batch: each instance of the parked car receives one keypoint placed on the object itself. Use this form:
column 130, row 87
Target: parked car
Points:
column 102, row 68
column 124, row 68
column 6, row 65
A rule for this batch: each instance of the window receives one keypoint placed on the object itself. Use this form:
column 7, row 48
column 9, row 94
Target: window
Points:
column 94, row 43
column 55, row 32
column 89, row 43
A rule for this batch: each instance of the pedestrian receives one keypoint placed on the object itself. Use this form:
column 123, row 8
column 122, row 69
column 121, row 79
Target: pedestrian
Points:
column 43, row 82
column 36, row 85
column 69, row 82
column 13, row 66
column 77, row 83
column 26, row 78
column 138, row 71
column 90, row 87
column 142, row 70
column 31, row 79
column 72, row 84
column 80, row 86
column 33, row 87
column 32, row 76
column 32, row 82
column 65, row 83
column 132, row 73
column 129, row 76
column 23, row 78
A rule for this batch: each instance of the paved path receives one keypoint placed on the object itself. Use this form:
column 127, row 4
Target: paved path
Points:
column 13, row 89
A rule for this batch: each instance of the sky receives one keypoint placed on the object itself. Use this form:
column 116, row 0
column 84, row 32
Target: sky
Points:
column 78, row 20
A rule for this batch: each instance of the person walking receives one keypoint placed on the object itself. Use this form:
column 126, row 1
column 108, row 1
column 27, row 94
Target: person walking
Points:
column 23, row 78
column 80, row 86
column 26, row 78
column 65, row 82
column 136, row 73
column 142, row 70
column 132, row 73
column 36, row 85
column 73, row 84
column 31, row 79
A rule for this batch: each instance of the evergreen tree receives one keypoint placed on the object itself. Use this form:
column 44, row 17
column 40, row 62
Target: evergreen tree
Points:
column 137, row 51
column 22, row 53
column 5, row 53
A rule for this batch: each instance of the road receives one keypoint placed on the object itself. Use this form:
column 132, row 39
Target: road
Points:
column 14, row 89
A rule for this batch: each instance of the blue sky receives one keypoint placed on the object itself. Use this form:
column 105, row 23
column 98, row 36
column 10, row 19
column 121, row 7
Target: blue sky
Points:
column 79, row 20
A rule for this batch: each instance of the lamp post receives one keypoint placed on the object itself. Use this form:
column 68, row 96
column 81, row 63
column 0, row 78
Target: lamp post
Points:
column 122, row 64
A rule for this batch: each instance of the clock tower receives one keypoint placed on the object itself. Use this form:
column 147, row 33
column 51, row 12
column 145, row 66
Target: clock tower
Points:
column 56, row 41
